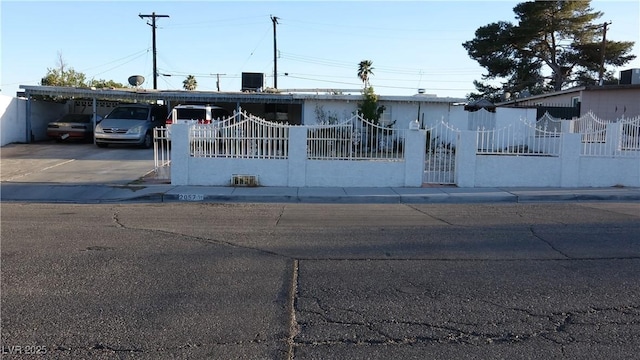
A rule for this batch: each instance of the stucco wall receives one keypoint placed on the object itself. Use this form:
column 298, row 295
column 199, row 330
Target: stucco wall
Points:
column 611, row 104
column 568, row 168
column 13, row 127
column 296, row 170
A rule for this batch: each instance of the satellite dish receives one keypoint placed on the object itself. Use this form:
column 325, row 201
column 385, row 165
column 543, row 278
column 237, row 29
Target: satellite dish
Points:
column 136, row 80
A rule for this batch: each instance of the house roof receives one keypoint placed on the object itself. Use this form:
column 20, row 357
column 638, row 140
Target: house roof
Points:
column 576, row 90
column 153, row 95
column 206, row 96
column 480, row 104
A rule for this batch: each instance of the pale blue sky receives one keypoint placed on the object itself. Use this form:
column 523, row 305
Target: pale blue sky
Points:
column 412, row 44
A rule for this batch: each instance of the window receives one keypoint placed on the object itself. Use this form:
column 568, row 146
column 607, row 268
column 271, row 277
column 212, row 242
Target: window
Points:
column 385, row 118
column 191, row 114
column 575, row 101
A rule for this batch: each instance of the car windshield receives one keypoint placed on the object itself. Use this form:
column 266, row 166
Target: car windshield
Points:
column 76, row 118
column 191, row 114
column 220, row 114
column 130, row 113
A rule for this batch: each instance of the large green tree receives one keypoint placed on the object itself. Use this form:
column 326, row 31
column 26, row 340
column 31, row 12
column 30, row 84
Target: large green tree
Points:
column 555, row 45
column 64, row 75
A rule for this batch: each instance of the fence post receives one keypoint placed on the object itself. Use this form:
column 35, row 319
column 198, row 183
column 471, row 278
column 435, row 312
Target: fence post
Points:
column 180, row 154
column 613, row 138
column 414, row 149
column 567, row 126
column 297, row 160
column 466, row 159
column 570, row 150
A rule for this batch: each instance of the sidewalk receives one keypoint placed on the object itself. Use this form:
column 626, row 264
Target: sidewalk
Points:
column 389, row 195
column 156, row 193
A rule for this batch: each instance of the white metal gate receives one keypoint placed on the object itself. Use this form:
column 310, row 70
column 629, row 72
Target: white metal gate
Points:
column 161, row 153
column 440, row 157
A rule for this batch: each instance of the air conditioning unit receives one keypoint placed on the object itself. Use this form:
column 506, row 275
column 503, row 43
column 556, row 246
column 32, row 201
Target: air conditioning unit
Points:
column 631, row 76
column 252, row 82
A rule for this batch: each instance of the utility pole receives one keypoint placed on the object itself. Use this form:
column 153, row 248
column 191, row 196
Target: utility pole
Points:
column 218, row 80
column 602, row 47
column 275, row 53
column 153, row 17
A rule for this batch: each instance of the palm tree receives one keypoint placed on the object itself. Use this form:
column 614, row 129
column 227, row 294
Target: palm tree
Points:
column 190, row 83
column 365, row 69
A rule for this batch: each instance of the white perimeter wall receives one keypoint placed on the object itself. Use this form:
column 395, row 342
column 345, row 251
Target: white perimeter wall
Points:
column 13, row 125
column 569, row 169
column 296, row 170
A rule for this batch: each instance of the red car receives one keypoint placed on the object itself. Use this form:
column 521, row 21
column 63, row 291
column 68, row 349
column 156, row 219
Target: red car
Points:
column 72, row 127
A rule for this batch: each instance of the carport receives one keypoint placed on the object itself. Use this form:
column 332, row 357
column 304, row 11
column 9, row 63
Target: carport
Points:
column 262, row 104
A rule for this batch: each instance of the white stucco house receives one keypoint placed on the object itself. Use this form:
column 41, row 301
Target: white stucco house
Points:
column 26, row 118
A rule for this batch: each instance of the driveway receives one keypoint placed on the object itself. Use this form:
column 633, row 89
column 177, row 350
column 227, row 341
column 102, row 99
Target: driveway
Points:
column 74, row 163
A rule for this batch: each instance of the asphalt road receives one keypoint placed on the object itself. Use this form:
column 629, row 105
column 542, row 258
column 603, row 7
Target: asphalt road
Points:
column 311, row 281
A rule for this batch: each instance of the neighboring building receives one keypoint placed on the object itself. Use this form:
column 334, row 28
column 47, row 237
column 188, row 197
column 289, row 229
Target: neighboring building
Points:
column 605, row 102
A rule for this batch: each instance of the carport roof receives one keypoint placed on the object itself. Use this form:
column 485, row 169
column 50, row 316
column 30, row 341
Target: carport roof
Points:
column 153, row 95
column 211, row 96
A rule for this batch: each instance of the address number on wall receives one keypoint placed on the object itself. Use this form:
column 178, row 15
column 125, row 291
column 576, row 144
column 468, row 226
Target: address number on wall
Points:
column 190, row 197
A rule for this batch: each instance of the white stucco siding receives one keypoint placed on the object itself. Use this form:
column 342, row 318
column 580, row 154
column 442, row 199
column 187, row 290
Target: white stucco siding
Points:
column 504, row 170
column 13, row 126
column 341, row 110
column 355, row 173
column 608, row 171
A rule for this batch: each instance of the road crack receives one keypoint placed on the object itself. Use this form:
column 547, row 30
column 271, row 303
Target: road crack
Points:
column 533, row 232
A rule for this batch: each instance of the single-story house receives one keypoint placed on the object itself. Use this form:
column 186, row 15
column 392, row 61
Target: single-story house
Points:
column 605, row 102
column 31, row 114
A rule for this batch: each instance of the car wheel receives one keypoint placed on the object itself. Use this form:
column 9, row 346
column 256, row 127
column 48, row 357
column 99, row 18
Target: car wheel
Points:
column 148, row 141
column 102, row 145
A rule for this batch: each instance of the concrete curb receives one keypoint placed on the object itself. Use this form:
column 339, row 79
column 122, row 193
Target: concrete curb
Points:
column 166, row 193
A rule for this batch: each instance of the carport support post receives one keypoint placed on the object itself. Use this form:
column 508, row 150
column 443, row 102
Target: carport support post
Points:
column 94, row 118
column 28, row 118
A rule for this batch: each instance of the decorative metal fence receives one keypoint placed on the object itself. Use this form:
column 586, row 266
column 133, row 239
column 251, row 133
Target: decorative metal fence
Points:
column 630, row 139
column 161, row 153
column 596, row 140
column 521, row 138
column 242, row 136
column 440, row 157
column 247, row 136
column 593, row 129
column 549, row 123
column 355, row 139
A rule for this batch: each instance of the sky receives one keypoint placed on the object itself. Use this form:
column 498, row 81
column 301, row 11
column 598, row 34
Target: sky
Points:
column 412, row 44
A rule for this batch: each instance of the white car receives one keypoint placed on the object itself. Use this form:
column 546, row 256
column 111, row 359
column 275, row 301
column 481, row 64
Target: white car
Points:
column 196, row 114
